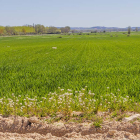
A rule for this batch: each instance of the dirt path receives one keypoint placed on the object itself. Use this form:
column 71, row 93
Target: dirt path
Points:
column 70, row 136
column 21, row 128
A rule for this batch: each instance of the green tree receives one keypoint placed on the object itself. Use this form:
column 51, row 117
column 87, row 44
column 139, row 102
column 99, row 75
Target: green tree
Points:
column 52, row 30
column 24, row 30
column 39, row 29
column 1, row 31
column 10, row 30
column 65, row 29
column 62, row 30
column 129, row 30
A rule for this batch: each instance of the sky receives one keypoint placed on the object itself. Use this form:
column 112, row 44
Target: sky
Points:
column 73, row 13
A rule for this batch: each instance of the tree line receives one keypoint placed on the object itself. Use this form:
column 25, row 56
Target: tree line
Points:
column 35, row 29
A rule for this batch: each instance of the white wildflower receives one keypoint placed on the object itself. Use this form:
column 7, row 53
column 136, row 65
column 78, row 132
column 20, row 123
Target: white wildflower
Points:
column 62, row 89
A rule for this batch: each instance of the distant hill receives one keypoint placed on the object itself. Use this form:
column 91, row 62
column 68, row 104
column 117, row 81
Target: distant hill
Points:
column 101, row 28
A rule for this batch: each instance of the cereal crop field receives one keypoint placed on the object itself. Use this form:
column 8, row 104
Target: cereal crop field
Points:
column 97, row 68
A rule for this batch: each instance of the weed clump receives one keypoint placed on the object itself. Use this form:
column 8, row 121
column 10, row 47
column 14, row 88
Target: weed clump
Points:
column 97, row 122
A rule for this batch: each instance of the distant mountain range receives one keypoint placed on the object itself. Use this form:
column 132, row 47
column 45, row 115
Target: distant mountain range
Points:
column 101, row 28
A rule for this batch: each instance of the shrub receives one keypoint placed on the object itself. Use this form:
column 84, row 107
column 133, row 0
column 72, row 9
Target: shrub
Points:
column 94, row 31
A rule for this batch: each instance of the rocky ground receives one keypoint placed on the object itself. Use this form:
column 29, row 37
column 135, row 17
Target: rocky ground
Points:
column 21, row 128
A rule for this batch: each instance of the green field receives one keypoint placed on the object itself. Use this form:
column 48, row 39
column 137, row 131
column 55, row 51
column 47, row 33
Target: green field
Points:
column 104, row 62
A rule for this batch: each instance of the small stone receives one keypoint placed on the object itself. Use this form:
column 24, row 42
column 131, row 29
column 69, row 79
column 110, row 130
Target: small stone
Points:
column 54, row 47
column 59, row 116
column 111, row 132
column 33, row 120
column 16, row 121
column 67, row 135
column 1, row 117
column 49, row 135
column 127, row 134
column 25, row 122
column 74, row 113
column 131, row 118
column 43, row 118
column 42, row 139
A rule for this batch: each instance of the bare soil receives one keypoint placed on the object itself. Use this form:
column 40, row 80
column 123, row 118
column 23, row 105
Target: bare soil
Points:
column 21, row 128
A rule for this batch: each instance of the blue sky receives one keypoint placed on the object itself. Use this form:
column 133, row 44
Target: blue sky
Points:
column 74, row 13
